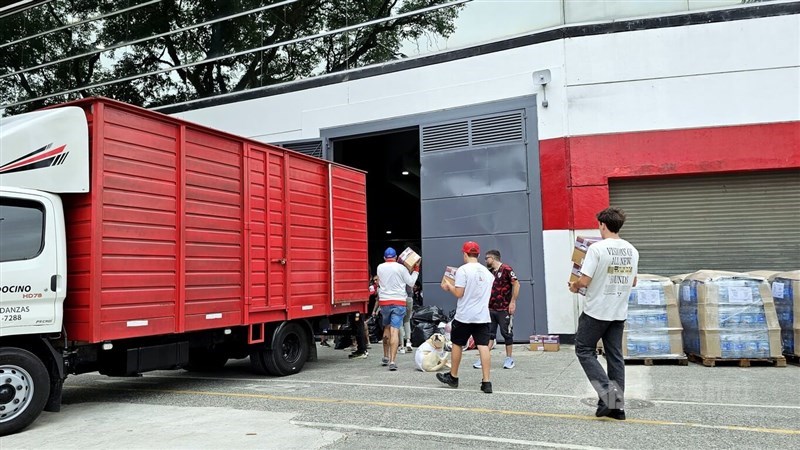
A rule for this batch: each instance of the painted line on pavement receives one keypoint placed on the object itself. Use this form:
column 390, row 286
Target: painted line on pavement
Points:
column 425, row 433
column 448, row 408
column 441, row 388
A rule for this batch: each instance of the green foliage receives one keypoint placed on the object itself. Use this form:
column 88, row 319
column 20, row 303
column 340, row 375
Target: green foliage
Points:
column 277, row 64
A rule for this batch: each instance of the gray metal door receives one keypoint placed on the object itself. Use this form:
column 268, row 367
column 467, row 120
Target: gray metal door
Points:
column 476, row 179
column 738, row 222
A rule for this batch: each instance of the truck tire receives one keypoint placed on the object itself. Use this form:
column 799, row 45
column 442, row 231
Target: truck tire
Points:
column 24, row 389
column 287, row 355
column 206, row 359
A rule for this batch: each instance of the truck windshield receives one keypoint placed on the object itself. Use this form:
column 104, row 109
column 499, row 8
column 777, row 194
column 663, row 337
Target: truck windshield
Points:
column 21, row 229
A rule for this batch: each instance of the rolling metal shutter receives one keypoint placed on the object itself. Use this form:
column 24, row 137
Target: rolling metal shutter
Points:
column 738, row 222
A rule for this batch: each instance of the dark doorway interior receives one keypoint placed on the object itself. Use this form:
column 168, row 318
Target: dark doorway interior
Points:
column 391, row 160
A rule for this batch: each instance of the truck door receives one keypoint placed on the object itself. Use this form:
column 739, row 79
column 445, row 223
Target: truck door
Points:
column 32, row 263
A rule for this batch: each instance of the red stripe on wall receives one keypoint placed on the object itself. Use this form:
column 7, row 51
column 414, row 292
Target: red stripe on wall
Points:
column 576, row 170
column 556, row 196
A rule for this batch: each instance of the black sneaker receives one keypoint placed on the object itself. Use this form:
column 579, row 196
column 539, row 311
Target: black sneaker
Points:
column 486, row 387
column 447, row 379
column 618, row 414
column 602, row 410
column 357, row 355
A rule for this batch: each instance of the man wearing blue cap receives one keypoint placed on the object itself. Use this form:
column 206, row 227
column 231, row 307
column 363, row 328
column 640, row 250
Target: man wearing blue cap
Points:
column 393, row 278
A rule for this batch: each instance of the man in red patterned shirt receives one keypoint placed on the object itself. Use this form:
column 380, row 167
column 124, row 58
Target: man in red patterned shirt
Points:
column 502, row 304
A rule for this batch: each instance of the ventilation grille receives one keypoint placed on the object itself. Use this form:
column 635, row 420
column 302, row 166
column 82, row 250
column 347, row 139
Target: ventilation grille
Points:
column 442, row 137
column 313, row 148
column 476, row 132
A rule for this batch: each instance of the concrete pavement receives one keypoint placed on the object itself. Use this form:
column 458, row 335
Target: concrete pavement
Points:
column 544, row 402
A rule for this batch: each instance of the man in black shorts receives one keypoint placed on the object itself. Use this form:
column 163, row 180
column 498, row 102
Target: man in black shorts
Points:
column 472, row 288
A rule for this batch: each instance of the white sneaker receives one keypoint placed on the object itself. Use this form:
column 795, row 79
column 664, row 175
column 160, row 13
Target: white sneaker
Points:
column 509, row 363
column 401, row 350
column 409, row 348
column 477, row 365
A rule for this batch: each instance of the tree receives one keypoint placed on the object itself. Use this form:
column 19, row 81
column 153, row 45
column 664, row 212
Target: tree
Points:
column 171, row 53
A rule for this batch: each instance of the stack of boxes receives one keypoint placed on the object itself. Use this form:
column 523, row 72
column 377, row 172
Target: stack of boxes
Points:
column 582, row 244
column 786, row 292
column 653, row 328
column 728, row 315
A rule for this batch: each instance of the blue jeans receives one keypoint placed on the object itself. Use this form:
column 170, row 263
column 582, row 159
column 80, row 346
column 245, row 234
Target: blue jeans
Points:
column 393, row 315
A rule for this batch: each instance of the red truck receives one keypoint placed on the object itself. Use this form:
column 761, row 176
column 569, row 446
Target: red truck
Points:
column 133, row 241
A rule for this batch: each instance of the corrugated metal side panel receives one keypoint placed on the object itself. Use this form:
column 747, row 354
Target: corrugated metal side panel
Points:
column 258, row 159
column 278, row 290
column 139, row 225
column 351, row 271
column 213, row 222
column 737, row 222
column 158, row 245
column 308, row 255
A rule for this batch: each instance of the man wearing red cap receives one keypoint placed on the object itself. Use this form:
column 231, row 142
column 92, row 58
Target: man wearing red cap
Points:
column 472, row 288
column 393, row 278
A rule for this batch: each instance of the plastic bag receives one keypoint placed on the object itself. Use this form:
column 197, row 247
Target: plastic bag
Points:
column 375, row 328
column 343, row 342
column 428, row 314
column 422, row 332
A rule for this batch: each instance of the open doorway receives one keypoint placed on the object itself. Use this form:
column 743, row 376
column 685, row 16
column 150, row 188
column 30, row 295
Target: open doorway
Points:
column 391, row 160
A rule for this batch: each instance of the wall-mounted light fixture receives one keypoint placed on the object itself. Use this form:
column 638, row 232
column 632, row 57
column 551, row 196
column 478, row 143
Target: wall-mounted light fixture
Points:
column 405, row 172
column 541, row 78
column 388, row 231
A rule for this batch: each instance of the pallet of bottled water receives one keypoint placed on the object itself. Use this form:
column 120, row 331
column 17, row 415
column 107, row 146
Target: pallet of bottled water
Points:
column 786, row 294
column 653, row 328
column 728, row 316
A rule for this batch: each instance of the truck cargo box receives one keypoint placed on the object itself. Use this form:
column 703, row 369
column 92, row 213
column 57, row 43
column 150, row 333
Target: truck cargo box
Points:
column 187, row 228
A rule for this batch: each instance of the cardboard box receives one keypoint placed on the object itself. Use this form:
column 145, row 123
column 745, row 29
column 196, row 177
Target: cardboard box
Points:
column 449, row 276
column 537, row 343
column 409, row 258
column 582, row 244
column 552, row 343
column 545, row 343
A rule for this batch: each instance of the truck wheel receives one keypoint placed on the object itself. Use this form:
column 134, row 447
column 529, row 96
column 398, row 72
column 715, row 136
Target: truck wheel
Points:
column 24, row 389
column 288, row 354
column 206, row 360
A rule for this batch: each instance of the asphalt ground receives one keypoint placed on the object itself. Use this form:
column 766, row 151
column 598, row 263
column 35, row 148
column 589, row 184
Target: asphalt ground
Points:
column 336, row 403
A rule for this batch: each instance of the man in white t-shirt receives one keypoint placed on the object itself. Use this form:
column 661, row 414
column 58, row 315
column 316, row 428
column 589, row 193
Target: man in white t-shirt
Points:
column 472, row 288
column 608, row 274
column 393, row 278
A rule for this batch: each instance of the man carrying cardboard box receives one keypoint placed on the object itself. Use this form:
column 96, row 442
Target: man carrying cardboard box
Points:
column 393, row 278
column 608, row 274
column 472, row 287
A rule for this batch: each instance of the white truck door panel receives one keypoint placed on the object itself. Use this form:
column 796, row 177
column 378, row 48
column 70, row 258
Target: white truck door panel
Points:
column 32, row 263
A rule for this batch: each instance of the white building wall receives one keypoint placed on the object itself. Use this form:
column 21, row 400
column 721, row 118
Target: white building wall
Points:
column 716, row 74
